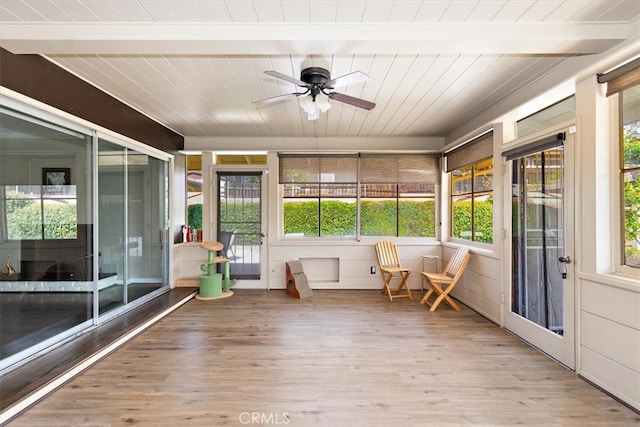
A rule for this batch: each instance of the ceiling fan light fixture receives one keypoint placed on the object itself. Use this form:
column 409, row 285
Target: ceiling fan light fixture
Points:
column 306, row 102
column 314, row 114
column 323, row 103
column 319, row 88
column 312, row 107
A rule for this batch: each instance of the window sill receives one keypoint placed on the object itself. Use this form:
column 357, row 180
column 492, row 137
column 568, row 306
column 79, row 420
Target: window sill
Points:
column 615, row 280
column 475, row 248
column 351, row 241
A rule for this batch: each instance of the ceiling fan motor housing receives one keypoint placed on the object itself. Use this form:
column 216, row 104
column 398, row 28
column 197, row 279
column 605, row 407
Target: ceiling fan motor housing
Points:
column 315, row 76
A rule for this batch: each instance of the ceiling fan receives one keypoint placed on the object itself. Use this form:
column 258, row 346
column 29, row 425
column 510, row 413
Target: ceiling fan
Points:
column 317, row 82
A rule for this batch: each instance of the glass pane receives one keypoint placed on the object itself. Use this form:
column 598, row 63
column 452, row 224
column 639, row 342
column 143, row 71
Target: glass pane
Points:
column 301, row 217
column 554, row 114
column 111, row 228
column 461, row 180
column 417, row 217
column 24, row 217
column 632, row 218
column 631, row 126
column 538, row 229
column 240, row 223
column 23, row 191
column 338, row 191
column 145, row 248
column 379, row 216
column 461, row 217
column 378, row 209
column 194, row 192
column 378, row 191
column 630, row 100
column 338, row 217
column 46, row 225
column 483, row 176
column 60, row 218
column 301, row 190
column 416, row 190
column 483, row 218
column 338, row 209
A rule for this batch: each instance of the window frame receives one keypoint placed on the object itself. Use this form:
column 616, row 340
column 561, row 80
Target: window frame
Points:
column 472, row 195
column 40, row 200
column 618, row 172
column 470, row 153
column 357, row 197
column 190, row 168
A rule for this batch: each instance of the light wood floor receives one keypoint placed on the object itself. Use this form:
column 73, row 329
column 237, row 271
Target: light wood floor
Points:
column 340, row 358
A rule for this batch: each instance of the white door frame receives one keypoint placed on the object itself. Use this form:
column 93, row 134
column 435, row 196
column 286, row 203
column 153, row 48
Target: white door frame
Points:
column 560, row 347
column 244, row 284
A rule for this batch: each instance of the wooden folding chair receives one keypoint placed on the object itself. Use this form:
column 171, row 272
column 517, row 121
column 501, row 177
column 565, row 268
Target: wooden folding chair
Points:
column 390, row 269
column 442, row 283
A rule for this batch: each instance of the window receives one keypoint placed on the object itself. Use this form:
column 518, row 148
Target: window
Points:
column 350, row 195
column 397, row 195
column 630, row 174
column 35, row 212
column 471, row 175
column 552, row 115
column 625, row 81
column 194, row 192
column 40, row 181
column 319, row 195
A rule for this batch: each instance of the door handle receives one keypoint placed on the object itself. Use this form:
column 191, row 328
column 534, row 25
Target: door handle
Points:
column 565, row 259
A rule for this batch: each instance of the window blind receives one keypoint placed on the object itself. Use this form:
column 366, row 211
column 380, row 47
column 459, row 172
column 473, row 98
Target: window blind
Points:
column 473, row 151
column 399, row 168
column 374, row 168
column 299, row 168
column 621, row 78
column 536, row 146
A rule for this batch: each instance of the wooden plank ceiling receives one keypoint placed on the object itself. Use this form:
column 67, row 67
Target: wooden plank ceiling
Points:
column 196, row 66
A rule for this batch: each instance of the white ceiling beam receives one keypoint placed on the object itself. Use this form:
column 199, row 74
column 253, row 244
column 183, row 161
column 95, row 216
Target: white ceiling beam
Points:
column 337, row 144
column 313, row 38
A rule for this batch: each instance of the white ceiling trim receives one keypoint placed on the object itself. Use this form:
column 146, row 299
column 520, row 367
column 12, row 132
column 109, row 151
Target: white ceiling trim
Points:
column 318, row 38
column 369, row 144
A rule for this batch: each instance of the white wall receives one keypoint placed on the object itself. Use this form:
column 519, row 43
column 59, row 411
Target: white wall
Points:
column 353, row 261
column 608, row 303
column 609, row 338
column 479, row 287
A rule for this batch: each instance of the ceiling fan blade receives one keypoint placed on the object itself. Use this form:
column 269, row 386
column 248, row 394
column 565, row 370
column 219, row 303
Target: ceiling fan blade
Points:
column 290, row 79
column 356, row 102
column 277, row 98
column 347, row 79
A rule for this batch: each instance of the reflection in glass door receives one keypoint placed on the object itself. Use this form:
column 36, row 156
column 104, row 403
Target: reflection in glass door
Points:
column 147, row 224
column 111, row 231
column 240, row 222
column 133, row 225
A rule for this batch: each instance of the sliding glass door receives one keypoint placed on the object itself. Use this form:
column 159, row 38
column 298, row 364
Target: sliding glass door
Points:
column 111, row 225
column 83, row 228
column 147, row 225
column 46, row 233
column 133, row 224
